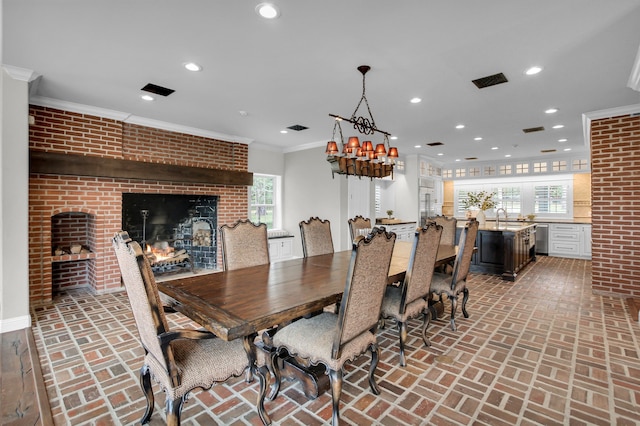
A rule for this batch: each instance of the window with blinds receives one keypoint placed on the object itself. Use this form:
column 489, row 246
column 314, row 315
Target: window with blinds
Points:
column 551, row 199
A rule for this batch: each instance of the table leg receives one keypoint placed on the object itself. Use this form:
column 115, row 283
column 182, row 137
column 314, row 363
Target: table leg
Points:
column 261, row 372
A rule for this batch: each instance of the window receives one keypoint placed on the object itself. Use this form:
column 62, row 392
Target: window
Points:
column 489, row 171
column 461, row 172
column 474, row 171
column 505, row 169
column 559, row 166
column 522, row 168
column 580, row 165
column 539, row 167
column 551, row 199
column 509, row 199
column 264, row 201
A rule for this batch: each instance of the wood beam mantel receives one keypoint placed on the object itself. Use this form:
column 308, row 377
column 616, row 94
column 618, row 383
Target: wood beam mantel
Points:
column 51, row 163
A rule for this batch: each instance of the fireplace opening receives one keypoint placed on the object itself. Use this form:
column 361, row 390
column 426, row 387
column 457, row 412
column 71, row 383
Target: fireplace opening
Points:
column 177, row 232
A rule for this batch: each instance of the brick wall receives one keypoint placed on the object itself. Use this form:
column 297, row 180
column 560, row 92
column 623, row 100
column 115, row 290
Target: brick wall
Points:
column 100, row 198
column 615, row 177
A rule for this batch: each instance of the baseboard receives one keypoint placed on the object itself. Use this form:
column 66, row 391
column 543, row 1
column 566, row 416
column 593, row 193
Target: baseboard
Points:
column 16, row 323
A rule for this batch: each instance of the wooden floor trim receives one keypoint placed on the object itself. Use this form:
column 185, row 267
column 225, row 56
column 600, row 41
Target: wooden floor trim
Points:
column 23, row 394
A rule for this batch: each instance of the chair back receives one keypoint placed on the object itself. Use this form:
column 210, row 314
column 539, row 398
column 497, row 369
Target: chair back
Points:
column 365, row 286
column 144, row 299
column 244, row 244
column 316, row 237
column 421, row 266
column 449, row 225
column 466, row 245
column 358, row 223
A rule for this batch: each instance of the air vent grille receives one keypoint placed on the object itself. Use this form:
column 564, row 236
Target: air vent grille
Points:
column 158, row 90
column 545, row 151
column 471, row 158
column 435, row 144
column 297, row 127
column 533, row 129
column 490, row 80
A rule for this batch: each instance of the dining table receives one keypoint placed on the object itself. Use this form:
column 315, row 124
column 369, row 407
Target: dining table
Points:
column 238, row 304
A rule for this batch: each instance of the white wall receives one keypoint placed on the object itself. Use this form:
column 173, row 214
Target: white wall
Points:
column 310, row 191
column 14, row 207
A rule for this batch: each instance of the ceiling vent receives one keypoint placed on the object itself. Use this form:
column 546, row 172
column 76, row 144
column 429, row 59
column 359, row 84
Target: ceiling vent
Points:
column 546, row 151
column 158, row 90
column 435, row 144
column 297, row 127
column 490, row 80
column 471, row 158
column 533, row 129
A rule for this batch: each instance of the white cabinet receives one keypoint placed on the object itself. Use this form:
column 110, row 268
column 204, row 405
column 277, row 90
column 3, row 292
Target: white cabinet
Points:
column 570, row 240
column 280, row 248
column 404, row 231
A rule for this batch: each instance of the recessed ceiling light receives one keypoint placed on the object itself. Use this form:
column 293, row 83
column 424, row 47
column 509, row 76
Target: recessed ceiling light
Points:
column 507, row 155
column 192, row 66
column 283, row 131
column 562, row 140
column 558, row 126
column 460, row 126
column 533, row 70
column 267, row 10
column 415, row 100
column 551, row 111
column 393, row 138
column 417, row 146
column 567, row 149
column 243, row 113
column 494, row 148
column 440, row 154
column 477, row 138
column 146, row 97
column 457, row 159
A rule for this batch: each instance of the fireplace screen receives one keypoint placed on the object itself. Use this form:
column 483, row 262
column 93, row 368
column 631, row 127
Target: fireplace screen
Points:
column 177, row 232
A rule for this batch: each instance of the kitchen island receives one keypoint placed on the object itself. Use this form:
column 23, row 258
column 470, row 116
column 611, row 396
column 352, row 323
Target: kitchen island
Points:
column 504, row 249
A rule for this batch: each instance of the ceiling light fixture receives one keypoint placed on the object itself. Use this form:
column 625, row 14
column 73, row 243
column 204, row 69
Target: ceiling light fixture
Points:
column 283, row 131
column 460, row 126
column 477, row 138
column 494, row 148
column 551, row 111
column 192, row 66
column 562, row 140
column 558, row 126
column 355, row 159
column 267, row 10
column 417, row 146
column 415, row 100
column 533, row 70
column 146, row 97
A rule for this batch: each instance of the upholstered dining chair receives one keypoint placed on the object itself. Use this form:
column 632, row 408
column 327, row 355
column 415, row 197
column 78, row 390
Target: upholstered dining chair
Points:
column 455, row 283
column 357, row 223
column 244, row 244
column 410, row 299
column 316, row 237
column 449, row 225
column 331, row 339
column 178, row 360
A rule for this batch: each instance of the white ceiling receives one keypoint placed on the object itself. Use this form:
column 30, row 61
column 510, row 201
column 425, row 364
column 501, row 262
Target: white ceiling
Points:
column 302, row 66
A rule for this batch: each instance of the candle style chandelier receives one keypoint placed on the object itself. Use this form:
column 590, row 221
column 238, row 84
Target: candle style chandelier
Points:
column 354, row 158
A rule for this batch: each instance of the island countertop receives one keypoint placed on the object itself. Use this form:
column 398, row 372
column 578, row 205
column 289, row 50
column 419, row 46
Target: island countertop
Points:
column 508, row 226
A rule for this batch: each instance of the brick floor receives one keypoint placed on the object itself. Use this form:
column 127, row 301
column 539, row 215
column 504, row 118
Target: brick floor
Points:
column 542, row 350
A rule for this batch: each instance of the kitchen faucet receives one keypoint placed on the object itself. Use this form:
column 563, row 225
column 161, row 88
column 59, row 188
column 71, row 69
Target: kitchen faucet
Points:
column 506, row 218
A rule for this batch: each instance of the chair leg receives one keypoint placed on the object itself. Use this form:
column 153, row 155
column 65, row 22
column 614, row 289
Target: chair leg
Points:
column 145, row 384
column 402, row 332
column 174, row 409
column 274, row 369
column 335, row 378
column 425, row 324
column 375, row 356
column 454, row 304
column 465, row 297
column 262, row 373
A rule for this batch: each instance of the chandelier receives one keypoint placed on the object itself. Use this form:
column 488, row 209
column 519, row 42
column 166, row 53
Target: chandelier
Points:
column 360, row 159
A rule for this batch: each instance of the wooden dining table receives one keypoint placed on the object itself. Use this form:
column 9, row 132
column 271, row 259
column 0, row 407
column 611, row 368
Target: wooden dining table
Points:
column 239, row 303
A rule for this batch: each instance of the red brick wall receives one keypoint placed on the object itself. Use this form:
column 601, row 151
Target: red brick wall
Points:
column 615, row 183
column 62, row 131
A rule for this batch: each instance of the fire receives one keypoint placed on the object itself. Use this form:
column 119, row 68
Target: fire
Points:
column 160, row 252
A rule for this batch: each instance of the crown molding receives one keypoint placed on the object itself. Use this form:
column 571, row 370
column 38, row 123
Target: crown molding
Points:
column 587, row 117
column 305, row 146
column 634, row 78
column 22, row 74
column 133, row 119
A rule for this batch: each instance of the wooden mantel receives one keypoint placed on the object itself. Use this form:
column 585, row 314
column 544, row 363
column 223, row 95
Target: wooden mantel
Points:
column 50, row 163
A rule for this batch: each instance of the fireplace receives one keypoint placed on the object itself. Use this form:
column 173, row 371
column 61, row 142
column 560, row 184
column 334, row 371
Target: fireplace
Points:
column 177, row 232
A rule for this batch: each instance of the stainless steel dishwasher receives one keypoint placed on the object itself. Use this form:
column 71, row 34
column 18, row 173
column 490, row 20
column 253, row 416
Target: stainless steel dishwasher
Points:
column 542, row 238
